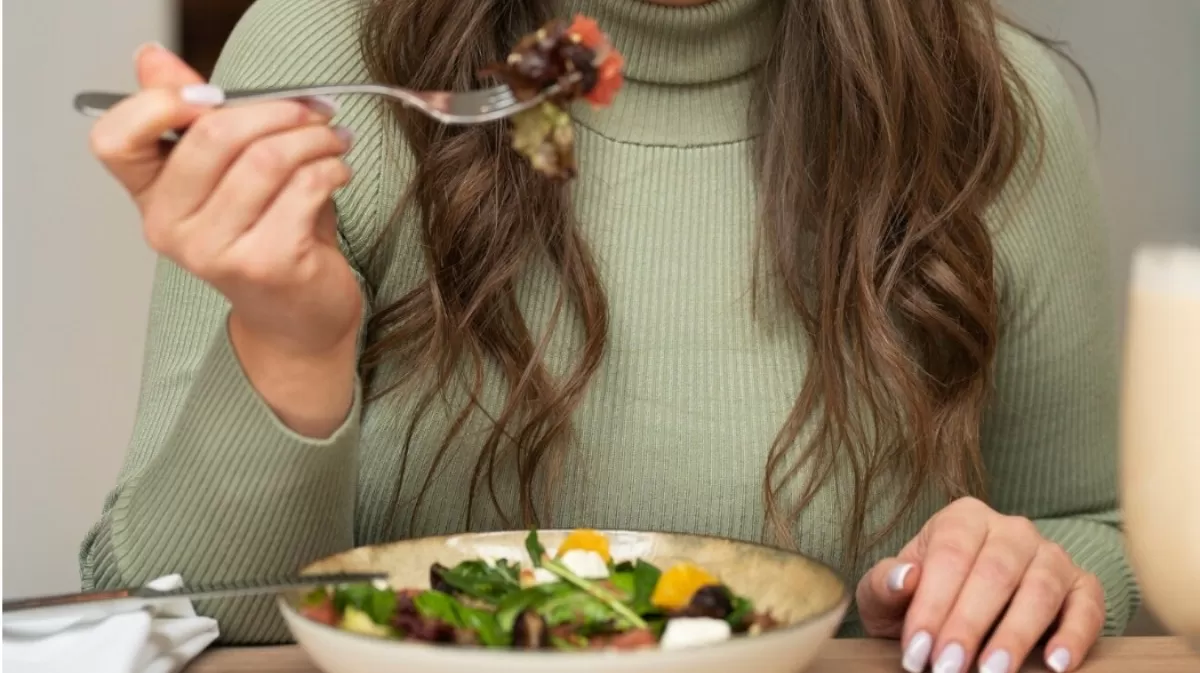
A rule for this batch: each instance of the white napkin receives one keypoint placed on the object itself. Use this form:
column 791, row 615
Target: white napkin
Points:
column 138, row 640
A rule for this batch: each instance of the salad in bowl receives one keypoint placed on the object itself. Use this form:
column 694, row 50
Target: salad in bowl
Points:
column 587, row 600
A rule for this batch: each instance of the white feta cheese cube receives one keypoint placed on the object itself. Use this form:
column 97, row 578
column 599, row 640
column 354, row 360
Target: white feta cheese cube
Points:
column 587, row 564
column 683, row 632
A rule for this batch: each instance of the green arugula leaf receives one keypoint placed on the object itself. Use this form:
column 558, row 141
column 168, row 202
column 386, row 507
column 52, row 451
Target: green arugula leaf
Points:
column 486, row 582
column 516, row 603
column 437, row 605
column 445, row 608
column 535, row 549
column 577, row 608
column 595, row 590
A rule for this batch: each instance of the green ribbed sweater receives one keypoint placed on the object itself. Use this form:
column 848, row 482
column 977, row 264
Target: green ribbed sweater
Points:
column 676, row 425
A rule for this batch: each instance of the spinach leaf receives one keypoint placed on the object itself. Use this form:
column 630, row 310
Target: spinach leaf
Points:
column 597, row 591
column 623, row 582
column 484, row 624
column 645, row 578
column 445, row 608
column 378, row 604
column 516, row 603
column 439, row 606
column 578, row 609
column 478, row 579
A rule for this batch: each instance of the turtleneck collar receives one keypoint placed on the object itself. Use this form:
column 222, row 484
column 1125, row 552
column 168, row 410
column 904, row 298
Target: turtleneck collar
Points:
column 689, row 70
column 700, row 44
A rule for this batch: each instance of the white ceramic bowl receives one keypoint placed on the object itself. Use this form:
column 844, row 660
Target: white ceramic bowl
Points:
column 805, row 595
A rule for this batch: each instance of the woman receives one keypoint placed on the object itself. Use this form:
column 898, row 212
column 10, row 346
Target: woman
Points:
column 832, row 274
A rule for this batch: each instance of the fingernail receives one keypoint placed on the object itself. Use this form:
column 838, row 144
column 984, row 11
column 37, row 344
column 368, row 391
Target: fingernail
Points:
column 322, row 105
column 1059, row 660
column 345, row 134
column 998, row 662
column 895, row 579
column 202, row 94
column 916, row 655
column 951, row 659
column 146, row 46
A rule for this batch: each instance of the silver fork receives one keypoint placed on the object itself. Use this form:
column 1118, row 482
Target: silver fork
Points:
column 467, row 107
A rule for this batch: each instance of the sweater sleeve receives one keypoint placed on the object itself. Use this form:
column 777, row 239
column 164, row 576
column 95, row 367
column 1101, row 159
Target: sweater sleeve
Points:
column 213, row 485
column 1049, row 439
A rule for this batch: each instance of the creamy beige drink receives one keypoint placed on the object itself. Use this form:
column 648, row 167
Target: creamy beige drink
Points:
column 1160, row 434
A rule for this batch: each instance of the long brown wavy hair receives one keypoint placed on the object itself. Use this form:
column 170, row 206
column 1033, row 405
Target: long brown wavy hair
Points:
column 888, row 127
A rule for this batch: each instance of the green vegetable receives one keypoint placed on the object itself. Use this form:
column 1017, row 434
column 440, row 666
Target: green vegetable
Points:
column 645, row 578
column 516, row 603
column 540, row 560
column 742, row 610
column 357, row 621
column 571, row 642
column 489, row 583
column 445, row 608
column 623, row 582
column 378, row 604
column 536, row 551
column 573, row 607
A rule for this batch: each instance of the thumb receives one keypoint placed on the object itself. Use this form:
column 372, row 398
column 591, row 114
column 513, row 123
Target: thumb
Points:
column 884, row 594
column 158, row 68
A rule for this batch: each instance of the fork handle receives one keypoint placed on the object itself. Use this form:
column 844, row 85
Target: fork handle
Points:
column 96, row 103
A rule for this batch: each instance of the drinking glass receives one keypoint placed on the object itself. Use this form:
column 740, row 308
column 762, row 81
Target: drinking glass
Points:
column 1160, row 433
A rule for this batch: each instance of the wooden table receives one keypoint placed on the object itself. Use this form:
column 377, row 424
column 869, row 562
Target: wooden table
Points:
column 1113, row 655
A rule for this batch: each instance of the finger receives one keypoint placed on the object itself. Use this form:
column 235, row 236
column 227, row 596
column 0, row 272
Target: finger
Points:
column 286, row 231
column 1080, row 624
column 258, row 176
column 955, row 539
column 1033, row 608
column 884, row 594
column 128, row 137
column 1011, row 546
column 158, row 68
column 214, row 142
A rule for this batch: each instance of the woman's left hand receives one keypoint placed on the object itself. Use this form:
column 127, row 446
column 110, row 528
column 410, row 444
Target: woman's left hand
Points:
column 977, row 586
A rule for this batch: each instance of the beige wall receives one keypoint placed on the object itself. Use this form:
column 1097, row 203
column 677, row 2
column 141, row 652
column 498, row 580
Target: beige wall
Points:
column 1143, row 56
column 78, row 274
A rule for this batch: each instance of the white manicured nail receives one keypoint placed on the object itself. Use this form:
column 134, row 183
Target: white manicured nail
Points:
column 951, row 659
column 916, row 655
column 323, row 105
column 1059, row 660
column 895, row 579
column 202, row 94
column 997, row 663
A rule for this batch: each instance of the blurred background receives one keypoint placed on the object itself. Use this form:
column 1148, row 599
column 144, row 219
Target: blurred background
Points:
column 78, row 274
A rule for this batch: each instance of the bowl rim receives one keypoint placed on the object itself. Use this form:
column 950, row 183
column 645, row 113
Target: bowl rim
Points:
column 841, row 605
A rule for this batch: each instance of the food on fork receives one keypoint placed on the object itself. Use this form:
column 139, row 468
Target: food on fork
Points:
column 571, row 61
column 577, row 598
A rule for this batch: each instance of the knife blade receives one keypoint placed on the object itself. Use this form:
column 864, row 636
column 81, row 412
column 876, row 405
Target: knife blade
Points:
column 136, row 598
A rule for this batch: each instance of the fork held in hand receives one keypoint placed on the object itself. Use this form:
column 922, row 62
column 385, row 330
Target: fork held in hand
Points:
column 467, row 107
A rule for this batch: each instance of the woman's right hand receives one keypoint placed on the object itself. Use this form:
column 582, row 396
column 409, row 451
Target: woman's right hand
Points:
column 243, row 201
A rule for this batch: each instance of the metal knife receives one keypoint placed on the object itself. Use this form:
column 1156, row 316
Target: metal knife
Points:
column 137, row 598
